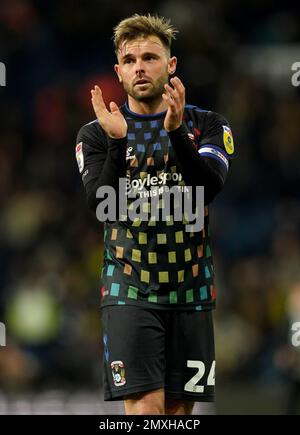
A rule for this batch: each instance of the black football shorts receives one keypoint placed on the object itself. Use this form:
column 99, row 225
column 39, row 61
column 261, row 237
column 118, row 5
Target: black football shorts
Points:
column 147, row 349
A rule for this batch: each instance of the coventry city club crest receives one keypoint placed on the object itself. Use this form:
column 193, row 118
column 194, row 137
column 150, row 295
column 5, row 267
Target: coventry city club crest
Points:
column 118, row 373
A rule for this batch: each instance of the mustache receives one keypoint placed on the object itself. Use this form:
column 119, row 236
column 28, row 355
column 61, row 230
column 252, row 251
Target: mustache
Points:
column 140, row 79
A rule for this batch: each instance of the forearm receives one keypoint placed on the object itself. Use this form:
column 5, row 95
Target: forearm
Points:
column 113, row 169
column 196, row 170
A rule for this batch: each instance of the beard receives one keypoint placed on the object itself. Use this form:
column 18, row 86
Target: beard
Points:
column 153, row 92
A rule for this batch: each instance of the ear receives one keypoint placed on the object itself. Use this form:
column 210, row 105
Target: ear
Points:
column 117, row 70
column 172, row 63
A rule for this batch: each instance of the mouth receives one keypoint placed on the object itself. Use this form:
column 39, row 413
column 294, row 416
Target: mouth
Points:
column 141, row 82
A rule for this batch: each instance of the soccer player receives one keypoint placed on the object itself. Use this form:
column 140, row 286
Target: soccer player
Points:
column 158, row 278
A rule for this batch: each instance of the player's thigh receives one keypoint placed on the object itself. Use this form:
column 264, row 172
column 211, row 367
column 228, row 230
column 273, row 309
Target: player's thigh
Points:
column 190, row 365
column 134, row 341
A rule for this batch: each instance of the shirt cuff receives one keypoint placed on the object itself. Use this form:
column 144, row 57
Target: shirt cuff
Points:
column 112, row 143
column 178, row 133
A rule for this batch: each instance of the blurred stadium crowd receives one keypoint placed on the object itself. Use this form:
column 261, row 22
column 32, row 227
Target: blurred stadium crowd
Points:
column 234, row 59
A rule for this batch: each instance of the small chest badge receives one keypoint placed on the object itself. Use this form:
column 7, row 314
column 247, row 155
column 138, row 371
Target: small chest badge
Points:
column 129, row 156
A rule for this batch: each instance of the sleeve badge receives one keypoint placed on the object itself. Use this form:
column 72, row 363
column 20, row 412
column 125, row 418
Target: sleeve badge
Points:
column 80, row 157
column 228, row 139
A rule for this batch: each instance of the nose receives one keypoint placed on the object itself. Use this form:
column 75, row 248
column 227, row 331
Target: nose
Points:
column 139, row 67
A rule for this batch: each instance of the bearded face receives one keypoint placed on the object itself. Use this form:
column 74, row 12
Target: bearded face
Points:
column 144, row 68
column 146, row 89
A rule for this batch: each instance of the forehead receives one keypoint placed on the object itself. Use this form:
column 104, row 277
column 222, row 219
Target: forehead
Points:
column 142, row 45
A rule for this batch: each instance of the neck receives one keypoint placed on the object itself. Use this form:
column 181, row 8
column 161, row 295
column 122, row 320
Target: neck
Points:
column 147, row 108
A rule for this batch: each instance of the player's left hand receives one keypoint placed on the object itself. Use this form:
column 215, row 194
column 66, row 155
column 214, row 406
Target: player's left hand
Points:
column 175, row 97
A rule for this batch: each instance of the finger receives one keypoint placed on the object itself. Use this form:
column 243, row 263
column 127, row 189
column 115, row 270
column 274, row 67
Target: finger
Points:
column 98, row 103
column 99, row 110
column 113, row 107
column 96, row 91
column 178, row 86
column 97, row 97
column 174, row 94
column 169, row 100
column 177, row 83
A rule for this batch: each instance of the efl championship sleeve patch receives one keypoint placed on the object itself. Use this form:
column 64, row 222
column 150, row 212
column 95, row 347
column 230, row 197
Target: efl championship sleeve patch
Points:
column 80, row 157
column 228, row 139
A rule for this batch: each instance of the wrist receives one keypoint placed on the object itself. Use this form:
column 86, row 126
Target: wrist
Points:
column 116, row 137
column 173, row 128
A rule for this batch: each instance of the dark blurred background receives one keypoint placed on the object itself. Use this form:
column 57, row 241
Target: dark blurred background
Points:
column 235, row 58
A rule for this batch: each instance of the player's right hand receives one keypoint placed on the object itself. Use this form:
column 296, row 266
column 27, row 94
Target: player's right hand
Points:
column 113, row 122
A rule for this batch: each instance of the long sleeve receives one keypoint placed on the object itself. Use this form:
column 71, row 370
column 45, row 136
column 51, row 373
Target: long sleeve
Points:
column 101, row 161
column 208, row 166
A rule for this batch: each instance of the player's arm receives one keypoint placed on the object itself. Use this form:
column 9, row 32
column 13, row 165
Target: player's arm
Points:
column 209, row 166
column 101, row 161
column 101, row 148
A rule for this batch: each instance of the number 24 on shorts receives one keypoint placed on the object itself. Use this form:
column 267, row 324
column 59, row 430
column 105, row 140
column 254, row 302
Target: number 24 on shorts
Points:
column 191, row 384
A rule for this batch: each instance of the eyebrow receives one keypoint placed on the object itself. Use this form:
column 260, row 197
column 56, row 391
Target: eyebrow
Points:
column 148, row 53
